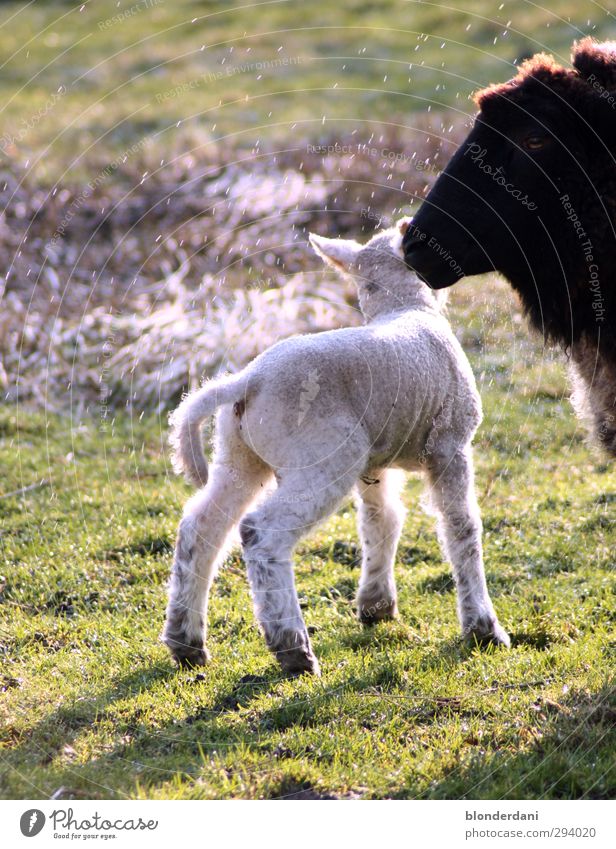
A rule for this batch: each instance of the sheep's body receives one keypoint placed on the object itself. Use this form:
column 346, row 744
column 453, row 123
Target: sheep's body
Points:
column 323, row 413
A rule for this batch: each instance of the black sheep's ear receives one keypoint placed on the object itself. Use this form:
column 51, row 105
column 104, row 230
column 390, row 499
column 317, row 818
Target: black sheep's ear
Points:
column 595, row 61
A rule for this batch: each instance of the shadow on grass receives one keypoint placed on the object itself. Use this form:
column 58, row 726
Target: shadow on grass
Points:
column 568, row 755
column 441, row 583
column 145, row 750
column 566, row 751
column 150, row 546
column 56, row 733
column 153, row 755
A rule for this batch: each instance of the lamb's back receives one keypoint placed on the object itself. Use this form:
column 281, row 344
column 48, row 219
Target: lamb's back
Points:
column 393, row 377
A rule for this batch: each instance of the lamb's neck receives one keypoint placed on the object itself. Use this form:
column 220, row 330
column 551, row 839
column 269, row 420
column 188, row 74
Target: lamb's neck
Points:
column 399, row 312
column 422, row 302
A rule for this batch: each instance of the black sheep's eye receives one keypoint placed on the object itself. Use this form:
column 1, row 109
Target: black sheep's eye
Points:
column 534, row 142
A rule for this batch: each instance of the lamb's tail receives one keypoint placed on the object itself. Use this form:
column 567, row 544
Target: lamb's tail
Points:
column 185, row 437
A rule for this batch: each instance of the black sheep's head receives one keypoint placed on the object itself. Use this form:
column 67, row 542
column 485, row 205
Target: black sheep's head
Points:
column 531, row 192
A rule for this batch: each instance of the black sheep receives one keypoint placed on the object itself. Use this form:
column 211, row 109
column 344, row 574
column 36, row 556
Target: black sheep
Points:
column 531, row 193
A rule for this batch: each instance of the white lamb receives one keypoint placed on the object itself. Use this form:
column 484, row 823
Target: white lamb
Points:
column 324, row 413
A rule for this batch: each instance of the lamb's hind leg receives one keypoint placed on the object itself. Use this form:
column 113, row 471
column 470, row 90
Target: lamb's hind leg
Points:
column 235, row 479
column 452, row 489
column 269, row 535
column 381, row 515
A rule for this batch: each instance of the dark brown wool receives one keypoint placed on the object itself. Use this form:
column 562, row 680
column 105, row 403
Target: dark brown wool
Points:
column 549, row 135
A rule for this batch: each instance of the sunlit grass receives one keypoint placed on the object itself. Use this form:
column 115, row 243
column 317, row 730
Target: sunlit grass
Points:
column 92, row 703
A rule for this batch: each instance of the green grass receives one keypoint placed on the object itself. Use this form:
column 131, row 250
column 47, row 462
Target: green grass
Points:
column 92, row 704
column 354, row 65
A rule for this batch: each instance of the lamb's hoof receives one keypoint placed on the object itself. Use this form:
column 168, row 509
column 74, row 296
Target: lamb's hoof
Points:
column 299, row 662
column 373, row 611
column 187, row 657
column 487, row 631
column 194, row 657
column 295, row 655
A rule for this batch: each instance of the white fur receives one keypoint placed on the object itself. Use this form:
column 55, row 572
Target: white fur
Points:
column 324, row 413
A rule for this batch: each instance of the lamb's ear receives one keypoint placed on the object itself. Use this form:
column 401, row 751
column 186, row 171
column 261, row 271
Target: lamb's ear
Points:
column 595, row 61
column 337, row 252
column 403, row 224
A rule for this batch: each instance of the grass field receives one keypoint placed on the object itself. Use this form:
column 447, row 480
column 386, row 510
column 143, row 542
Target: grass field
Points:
column 90, row 703
column 85, row 80
column 92, row 707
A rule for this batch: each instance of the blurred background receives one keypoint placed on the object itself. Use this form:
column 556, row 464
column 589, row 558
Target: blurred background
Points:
column 163, row 160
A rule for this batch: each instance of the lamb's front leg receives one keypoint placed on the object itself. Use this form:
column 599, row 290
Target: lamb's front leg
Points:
column 381, row 515
column 452, row 487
